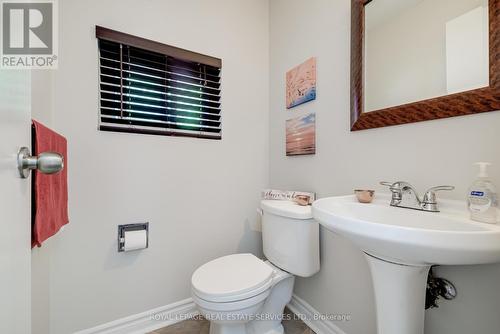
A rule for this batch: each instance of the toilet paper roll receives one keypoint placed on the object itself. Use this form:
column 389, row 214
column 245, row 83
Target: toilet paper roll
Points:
column 135, row 240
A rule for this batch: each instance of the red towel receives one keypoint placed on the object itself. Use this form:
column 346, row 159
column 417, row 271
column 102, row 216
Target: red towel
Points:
column 50, row 192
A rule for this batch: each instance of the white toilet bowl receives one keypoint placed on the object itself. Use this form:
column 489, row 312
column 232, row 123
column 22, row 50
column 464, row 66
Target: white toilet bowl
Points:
column 241, row 294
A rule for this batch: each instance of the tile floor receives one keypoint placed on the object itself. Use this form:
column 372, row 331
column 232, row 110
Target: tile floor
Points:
column 201, row 326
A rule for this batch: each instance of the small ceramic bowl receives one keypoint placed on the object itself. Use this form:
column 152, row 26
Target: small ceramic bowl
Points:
column 364, row 196
column 302, row 200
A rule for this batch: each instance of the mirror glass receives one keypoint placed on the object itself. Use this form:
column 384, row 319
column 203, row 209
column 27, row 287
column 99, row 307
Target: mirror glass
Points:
column 420, row 49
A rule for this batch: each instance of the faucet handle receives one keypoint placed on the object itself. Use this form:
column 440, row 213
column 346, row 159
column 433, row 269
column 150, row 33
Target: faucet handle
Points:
column 387, row 184
column 395, row 188
column 429, row 201
column 430, row 194
column 438, row 188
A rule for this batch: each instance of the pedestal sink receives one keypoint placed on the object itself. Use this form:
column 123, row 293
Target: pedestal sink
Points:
column 401, row 245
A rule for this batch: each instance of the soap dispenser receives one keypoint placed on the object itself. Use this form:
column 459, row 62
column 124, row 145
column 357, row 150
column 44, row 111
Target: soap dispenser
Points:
column 482, row 197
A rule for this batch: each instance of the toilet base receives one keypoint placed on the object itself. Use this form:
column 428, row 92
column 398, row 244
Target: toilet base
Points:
column 277, row 329
column 242, row 329
column 267, row 320
column 227, row 328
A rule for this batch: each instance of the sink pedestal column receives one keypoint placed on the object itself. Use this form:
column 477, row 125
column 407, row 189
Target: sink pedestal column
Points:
column 399, row 296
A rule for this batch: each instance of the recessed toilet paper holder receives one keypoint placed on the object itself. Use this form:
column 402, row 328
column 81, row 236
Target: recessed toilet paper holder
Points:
column 131, row 227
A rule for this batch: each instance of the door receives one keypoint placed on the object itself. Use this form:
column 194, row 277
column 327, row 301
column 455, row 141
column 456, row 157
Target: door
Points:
column 15, row 204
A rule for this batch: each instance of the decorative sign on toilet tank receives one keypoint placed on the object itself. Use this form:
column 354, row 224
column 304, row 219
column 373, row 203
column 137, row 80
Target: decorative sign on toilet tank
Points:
column 287, row 195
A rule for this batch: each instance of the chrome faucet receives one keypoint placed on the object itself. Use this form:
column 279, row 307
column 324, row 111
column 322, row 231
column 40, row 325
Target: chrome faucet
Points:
column 405, row 196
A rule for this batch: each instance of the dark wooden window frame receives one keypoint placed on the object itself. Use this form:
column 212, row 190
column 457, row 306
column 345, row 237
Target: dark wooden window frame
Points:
column 143, row 43
column 459, row 104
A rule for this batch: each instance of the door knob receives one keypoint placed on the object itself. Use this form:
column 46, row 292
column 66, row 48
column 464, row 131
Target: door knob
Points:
column 46, row 162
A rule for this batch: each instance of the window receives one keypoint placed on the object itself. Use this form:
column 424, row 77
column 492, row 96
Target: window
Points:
column 153, row 88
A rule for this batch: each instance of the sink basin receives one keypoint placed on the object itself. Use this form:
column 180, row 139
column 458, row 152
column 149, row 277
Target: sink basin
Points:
column 410, row 236
column 401, row 244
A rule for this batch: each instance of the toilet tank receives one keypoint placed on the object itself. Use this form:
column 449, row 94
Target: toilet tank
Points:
column 290, row 237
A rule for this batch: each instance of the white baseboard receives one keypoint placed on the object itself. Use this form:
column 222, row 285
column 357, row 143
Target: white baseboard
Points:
column 160, row 317
column 308, row 314
column 148, row 321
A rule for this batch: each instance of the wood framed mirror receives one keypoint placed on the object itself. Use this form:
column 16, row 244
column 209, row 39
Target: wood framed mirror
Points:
column 419, row 60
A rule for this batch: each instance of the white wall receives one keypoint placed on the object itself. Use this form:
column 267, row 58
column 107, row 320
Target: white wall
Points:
column 199, row 195
column 425, row 154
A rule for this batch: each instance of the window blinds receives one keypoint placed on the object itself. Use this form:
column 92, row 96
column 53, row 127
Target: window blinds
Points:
column 149, row 87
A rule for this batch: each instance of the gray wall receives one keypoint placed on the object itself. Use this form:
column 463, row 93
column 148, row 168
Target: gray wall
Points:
column 199, row 195
column 425, row 154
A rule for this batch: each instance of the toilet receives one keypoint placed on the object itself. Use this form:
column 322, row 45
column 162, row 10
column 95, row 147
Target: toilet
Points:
column 242, row 294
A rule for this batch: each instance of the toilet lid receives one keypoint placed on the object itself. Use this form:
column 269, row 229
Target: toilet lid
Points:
column 231, row 278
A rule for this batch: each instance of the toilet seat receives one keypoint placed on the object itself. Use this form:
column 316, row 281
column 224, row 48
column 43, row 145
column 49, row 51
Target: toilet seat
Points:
column 232, row 278
column 214, row 306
